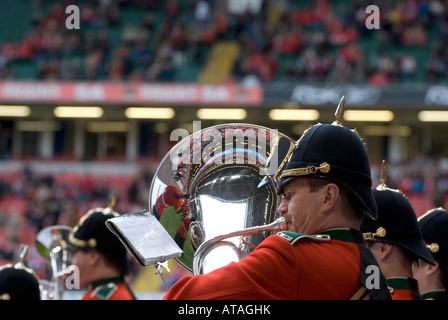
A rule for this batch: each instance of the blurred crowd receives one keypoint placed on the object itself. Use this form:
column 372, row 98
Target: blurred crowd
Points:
column 321, row 41
column 330, row 43
column 31, row 201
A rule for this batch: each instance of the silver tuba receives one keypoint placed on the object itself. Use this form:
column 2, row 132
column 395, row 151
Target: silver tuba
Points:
column 215, row 193
column 51, row 243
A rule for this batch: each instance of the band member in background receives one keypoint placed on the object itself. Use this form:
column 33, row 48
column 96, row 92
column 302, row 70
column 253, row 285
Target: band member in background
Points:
column 100, row 257
column 396, row 241
column 18, row 282
column 326, row 187
column 433, row 279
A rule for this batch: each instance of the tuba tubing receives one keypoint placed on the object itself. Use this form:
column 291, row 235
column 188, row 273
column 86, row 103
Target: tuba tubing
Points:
column 203, row 249
column 58, row 259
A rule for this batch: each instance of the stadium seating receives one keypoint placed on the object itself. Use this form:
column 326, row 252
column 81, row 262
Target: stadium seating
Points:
column 306, row 38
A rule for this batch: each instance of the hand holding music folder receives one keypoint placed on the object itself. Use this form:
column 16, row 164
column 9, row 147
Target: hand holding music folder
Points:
column 144, row 237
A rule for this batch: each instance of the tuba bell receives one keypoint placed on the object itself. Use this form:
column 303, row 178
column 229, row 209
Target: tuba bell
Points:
column 51, row 243
column 215, row 193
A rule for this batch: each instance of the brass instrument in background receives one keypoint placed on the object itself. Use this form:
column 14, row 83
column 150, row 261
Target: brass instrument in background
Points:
column 51, row 243
column 215, row 193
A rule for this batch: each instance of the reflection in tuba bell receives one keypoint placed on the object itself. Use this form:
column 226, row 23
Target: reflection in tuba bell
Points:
column 51, row 243
column 206, row 247
column 215, row 193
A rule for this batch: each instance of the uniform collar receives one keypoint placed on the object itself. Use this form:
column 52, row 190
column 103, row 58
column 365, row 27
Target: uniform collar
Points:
column 401, row 283
column 342, row 234
column 436, row 295
column 100, row 282
column 409, row 284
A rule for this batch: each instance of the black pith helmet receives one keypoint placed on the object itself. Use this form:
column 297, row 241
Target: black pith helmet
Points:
column 18, row 281
column 18, row 284
column 434, row 227
column 396, row 222
column 91, row 232
column 337, row 153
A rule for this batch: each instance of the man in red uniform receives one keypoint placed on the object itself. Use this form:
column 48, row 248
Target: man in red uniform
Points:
column 396, row 241
column 326, row 188
column 100, row 257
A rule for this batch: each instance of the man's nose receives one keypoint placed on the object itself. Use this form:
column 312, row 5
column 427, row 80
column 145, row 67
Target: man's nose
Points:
column 282, row 208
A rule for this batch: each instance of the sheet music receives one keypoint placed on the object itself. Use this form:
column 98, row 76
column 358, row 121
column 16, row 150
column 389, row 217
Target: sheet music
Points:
column 144, row 237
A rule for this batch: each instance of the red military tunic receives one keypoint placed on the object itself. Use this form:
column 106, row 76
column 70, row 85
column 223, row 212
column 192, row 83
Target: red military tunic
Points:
column 403, row 288
column 284, row 266
column 109, row 289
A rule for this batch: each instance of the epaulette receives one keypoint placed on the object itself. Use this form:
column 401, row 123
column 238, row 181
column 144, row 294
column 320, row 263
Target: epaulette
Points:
column 294, row 237
column 104, row 292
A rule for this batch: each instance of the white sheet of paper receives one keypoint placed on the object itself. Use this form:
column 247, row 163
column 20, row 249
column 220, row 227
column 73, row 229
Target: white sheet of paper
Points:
column 144, row 237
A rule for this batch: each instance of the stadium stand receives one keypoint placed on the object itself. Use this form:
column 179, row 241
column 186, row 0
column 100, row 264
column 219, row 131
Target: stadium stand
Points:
column 169, row 41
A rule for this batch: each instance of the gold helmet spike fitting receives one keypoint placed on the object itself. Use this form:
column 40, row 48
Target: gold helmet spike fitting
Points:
column 110, row 209
column 24, row 254
column 112, row 201
column 339, row 114
column 23, row 260
column 380, row 233
column 383, row 178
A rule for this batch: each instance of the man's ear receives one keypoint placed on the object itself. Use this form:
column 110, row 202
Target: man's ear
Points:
column 385, row 249
column 380, row 249
column 94, row 257
column 430, row 269
column 330, row 195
